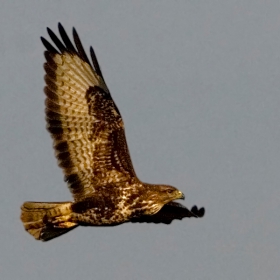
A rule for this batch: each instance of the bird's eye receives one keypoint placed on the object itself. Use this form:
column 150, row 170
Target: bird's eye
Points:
column 169, row 191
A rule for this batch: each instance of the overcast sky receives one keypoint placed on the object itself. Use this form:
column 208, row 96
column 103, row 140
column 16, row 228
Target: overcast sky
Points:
column 197, row 83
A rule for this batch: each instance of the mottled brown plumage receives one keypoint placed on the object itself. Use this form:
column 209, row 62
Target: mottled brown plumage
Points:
column 90, row 146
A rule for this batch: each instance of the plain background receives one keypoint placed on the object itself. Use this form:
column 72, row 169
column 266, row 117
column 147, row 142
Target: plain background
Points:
column 197, row 83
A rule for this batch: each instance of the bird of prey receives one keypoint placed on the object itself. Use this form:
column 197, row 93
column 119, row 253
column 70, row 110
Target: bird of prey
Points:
column 90, row 145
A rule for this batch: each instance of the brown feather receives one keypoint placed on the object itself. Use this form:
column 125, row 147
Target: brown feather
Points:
column 83, row 120
column 90, row 146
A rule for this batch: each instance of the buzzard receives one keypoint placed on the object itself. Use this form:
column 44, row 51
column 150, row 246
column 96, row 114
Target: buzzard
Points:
column 90, row 146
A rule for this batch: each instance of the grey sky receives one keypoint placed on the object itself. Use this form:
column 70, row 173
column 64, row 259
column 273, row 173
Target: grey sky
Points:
column 197, row 83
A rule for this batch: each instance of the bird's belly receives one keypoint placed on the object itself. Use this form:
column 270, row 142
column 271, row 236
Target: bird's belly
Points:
column 96, row 217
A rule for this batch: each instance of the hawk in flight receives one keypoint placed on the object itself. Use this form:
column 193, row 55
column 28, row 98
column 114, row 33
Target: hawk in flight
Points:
column 89, row 142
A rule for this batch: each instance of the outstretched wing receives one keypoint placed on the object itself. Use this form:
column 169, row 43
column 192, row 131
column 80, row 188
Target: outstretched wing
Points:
column 84, row 122
column 169, row 212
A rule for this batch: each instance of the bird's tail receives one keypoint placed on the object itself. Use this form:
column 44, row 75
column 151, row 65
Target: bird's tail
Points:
column 47, row 220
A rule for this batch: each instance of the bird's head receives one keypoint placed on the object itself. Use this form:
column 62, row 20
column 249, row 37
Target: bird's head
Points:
column 158, row 195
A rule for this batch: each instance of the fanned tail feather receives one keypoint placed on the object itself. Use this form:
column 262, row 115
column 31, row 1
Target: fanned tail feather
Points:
column 47, row 220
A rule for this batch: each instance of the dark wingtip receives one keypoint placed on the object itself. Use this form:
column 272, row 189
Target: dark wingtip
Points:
column 194, row 209
column 198, row 212
column 49, row 30
column 74, row 31
column 80, row 47
column 75, row 34
column 48, row 46
column 64, row 45
column 95, row 62
column 201, row 212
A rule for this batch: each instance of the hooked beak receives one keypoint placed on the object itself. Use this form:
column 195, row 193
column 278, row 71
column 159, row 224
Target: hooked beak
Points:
column 182, row 196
